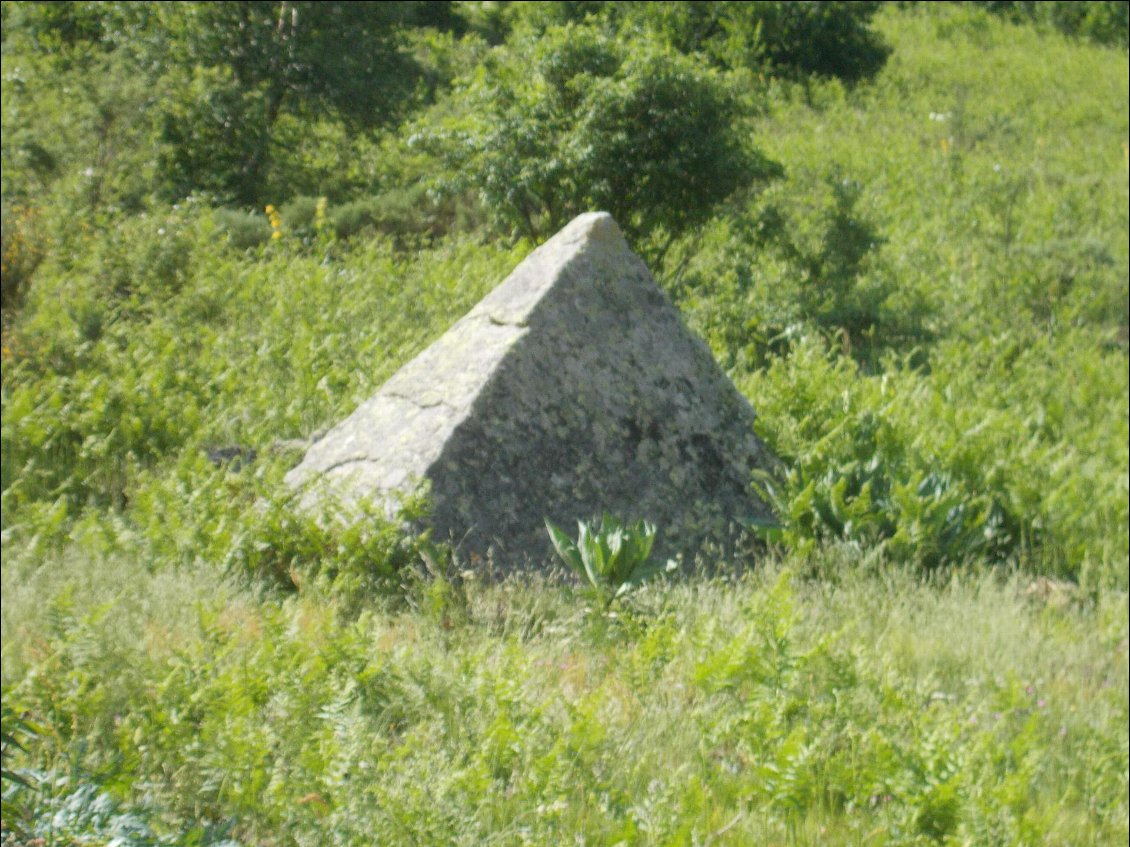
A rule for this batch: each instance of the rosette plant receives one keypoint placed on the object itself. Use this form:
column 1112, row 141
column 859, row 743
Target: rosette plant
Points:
column 613, row 558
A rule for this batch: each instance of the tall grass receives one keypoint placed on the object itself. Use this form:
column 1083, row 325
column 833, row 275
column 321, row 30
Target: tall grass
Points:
column 870, row 708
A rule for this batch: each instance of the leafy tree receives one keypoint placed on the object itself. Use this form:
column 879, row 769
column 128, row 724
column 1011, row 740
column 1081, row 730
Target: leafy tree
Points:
column 77, row 107
column 246, row 63
column 1102, row 21
column 220, row 78
column 573, row 120
column 790, row 38
column 66, row 28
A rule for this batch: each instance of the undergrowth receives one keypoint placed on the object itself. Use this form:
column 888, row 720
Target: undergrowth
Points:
column 866, row 708
column 926, row 305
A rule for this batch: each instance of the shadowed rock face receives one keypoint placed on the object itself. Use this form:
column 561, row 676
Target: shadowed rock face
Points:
column 571, row 388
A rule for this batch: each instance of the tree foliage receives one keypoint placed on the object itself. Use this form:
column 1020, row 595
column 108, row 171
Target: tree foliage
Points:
column 1100, row 21
column 214, row 92
column 220, row 77
column 247, row 63
column 572, row 120
column 791, row 39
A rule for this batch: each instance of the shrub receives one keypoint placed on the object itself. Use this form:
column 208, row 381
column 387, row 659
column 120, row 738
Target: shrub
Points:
column 253, row 527
column 806, row 256
column 870, row 466
column 786, row 38
column 792, row 39
column 354, row 553
column 830, row 249
column 138, row 263
column 407, row 213
column 1101, row 21
column 572, row 121
column 244, row 230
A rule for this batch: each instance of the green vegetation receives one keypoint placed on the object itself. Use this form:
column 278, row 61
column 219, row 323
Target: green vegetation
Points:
column 15, row 730
column 569, row 119
column 869, row 707
column 1103, row 23
column 908, row 247
column 611, row 557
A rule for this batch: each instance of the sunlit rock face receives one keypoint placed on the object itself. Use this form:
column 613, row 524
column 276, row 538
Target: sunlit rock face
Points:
column 571, row 389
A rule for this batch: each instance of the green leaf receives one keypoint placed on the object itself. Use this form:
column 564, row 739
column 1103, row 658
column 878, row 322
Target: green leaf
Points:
column 613, row 557
column 565, row 548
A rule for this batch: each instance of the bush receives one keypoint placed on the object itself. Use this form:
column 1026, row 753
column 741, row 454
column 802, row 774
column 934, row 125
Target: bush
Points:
column 791, row 39
column 1101, row 21
column 956, row 464
column 796, row 40
column 573, row 121
column 830, row 248
column 353, row 555
column 861, row 477
column 806, row 256
column 244, row 230
column 407, row 214
column 243, row 519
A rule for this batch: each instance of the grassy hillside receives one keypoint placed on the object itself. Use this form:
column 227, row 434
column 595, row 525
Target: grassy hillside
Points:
column 925, row 299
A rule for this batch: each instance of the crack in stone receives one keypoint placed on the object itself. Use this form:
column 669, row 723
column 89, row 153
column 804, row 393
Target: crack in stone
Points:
column 497, row 321
column 419, row 404
column 353, row 461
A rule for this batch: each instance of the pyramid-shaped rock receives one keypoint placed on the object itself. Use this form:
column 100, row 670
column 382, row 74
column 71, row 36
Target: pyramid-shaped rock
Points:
column 570, row 389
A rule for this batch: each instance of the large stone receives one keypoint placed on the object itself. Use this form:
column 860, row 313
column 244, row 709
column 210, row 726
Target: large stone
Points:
column 570, row 389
